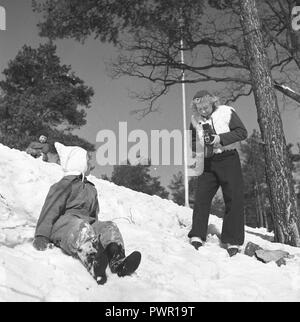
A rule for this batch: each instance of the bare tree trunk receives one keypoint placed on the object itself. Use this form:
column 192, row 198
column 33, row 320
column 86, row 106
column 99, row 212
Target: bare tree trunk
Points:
column 265, row 215
column 259, row 218
column 257, row 196
column 261, row 198
column 278, row 171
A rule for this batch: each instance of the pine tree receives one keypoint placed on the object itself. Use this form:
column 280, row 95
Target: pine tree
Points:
column 295, row 164
column 278, row 171
column 256, row 194
column 42, row 96
column 178, row 190
column 138, row 178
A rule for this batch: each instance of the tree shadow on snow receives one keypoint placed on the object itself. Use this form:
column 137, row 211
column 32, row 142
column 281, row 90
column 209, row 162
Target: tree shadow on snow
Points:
column 262, row 236
column 213, row 230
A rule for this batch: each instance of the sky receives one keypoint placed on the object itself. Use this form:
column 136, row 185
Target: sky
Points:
column 111, row 103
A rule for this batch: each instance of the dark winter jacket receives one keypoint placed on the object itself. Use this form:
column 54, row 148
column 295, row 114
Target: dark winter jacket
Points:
column 70, row 196
column 39, row 147
column 225, row 122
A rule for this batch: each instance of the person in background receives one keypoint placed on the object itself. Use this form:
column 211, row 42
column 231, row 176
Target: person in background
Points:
column 40, row 148
column 69, row 220
column 216, row 129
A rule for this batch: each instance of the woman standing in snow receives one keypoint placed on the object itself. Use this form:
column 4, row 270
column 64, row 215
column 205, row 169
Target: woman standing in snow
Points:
column 215, row 130
column 69, row 220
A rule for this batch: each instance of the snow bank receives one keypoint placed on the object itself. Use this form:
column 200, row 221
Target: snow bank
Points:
column 171, row 270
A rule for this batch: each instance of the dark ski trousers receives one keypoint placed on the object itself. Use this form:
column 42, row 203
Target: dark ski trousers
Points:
column 223, row 170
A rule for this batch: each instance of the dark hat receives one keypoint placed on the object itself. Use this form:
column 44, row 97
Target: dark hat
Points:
column 201, row 94
column 44, row 133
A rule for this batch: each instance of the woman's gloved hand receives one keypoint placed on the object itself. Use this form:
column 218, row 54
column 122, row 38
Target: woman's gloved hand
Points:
column 41, row 243
column 217, row 140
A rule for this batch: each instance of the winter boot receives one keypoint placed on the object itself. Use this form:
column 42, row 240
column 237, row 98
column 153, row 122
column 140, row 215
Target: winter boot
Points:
column 119, row 263
column 232, row 250
column 196, row 242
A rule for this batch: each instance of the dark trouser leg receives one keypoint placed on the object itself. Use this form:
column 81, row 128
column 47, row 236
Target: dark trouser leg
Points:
column 231, row 180
column 207, row 187
column 108, row 232
column 70, row 233
column 78, row 238
column 112, row 241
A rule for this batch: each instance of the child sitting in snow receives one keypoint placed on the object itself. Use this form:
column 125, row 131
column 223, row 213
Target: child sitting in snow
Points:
column 40, row 148
column 69, row 220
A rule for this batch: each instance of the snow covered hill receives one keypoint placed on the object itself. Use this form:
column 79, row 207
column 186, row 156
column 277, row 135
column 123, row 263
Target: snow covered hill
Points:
column 171, row 270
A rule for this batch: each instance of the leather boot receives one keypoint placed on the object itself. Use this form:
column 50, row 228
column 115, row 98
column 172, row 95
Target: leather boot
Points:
column 119, row 263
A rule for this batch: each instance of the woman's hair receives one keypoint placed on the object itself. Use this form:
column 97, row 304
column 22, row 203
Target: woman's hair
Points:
column 215, row 100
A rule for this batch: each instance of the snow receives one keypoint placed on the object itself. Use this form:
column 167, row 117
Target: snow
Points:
column 171, row 270
column 287, row 88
